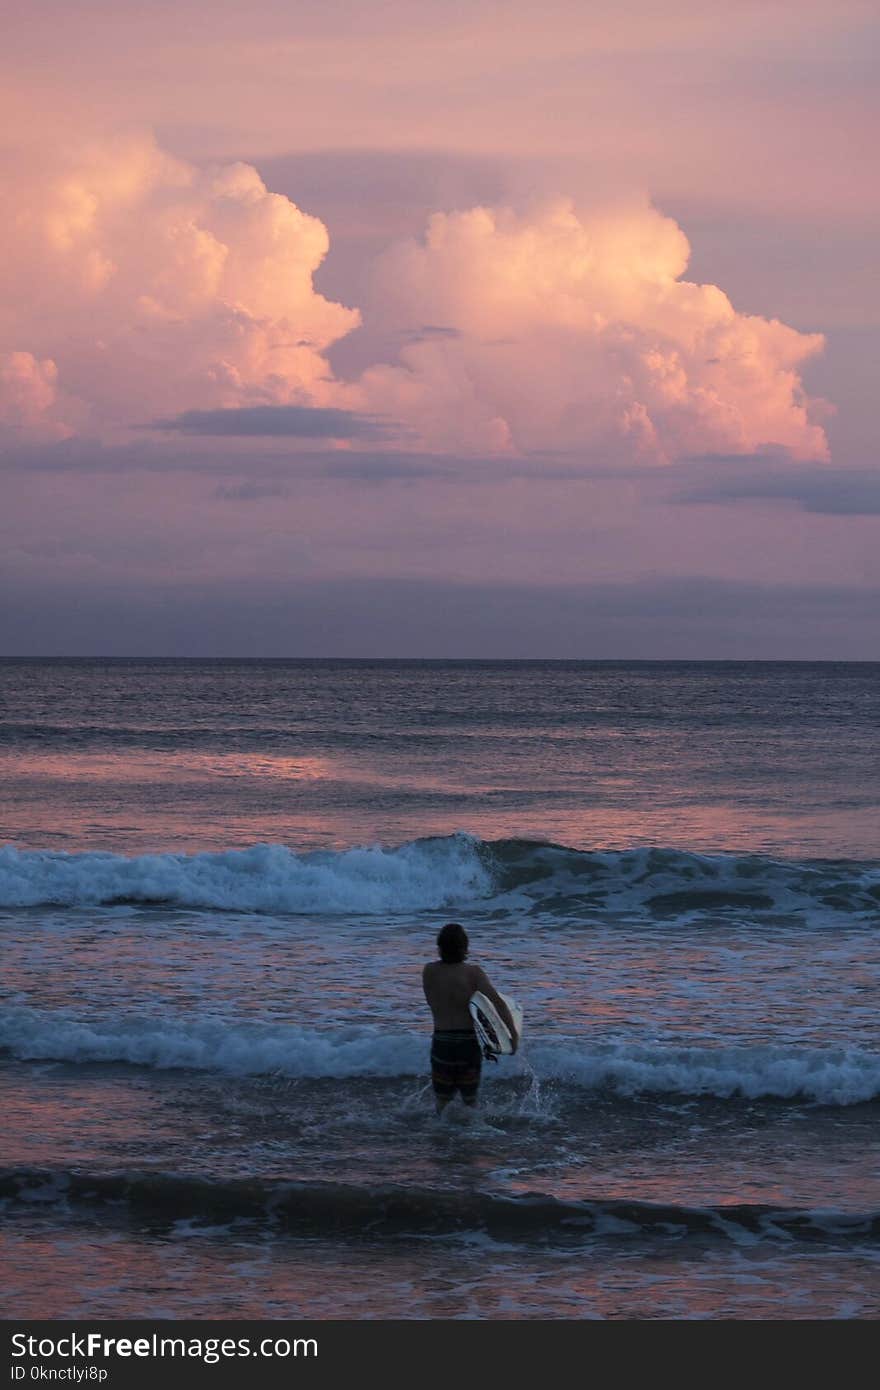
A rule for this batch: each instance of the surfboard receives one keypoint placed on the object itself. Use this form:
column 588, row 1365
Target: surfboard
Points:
column 492, row 1032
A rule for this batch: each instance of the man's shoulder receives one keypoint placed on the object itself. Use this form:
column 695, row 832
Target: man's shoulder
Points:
column 465, row 967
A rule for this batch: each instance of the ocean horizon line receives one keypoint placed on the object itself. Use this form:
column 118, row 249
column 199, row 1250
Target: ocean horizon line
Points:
column 15, row 659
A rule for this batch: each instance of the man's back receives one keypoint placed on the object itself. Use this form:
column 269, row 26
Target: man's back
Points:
column 448, row 987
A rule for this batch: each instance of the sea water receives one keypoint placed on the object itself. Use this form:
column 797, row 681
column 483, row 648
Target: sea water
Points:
column 219, row 882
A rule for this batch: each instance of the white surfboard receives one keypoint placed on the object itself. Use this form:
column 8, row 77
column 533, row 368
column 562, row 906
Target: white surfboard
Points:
column 489, row 1027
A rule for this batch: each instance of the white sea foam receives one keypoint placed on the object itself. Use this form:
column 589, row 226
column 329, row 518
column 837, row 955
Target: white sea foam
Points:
column 446, row 873
column 829, row 1076
column 210, row 1045
column 421, row 876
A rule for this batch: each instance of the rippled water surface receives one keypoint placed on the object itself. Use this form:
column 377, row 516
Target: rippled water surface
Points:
column 219, row 884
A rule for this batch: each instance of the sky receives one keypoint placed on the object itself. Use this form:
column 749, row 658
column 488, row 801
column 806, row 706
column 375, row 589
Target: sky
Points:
column 440, row 329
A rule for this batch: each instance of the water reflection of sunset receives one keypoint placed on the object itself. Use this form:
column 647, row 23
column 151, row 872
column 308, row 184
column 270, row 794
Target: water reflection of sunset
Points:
column 145, row 766
column 123, row 800
column 209, row 1273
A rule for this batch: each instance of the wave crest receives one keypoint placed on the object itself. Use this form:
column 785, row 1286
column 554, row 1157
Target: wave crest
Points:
column 421, row 876
column 449, row 872
column 393, row 1210
column 827, row 1076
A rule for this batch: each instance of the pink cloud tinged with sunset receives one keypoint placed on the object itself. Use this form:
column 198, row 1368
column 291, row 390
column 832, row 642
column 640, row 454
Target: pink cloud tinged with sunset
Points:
column 157, row 287
column 142, row 286
column 575, row 331
column 28, row 394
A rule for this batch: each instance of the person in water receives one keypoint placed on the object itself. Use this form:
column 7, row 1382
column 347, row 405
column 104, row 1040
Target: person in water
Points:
column 456, row 1056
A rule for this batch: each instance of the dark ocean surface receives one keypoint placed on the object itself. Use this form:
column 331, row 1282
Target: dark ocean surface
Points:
column 218, row 884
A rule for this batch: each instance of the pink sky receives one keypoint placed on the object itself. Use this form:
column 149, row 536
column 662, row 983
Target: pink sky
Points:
column 437, row 329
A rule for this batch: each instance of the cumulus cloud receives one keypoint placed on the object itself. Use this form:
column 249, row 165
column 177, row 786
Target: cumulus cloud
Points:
column 145, row 284
column 575, row 331
column 142, row 287
column 29, row 397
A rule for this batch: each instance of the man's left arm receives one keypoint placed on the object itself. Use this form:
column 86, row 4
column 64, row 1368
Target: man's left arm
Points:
column 485, row 984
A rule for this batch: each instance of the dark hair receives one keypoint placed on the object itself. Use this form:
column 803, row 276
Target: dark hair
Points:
column 452, row 943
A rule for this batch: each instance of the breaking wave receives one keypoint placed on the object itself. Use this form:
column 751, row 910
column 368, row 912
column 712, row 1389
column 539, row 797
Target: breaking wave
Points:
column 826, row 1076
column 420, row 876
column 446, row 873
column 351, row 1210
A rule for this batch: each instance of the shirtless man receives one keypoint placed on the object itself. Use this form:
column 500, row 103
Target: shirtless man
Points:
column 456, row 1057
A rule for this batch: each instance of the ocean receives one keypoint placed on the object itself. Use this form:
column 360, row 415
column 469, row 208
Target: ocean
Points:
column 219, row 881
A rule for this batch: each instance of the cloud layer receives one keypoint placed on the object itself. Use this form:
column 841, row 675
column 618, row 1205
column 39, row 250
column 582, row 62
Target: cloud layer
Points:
column 695, row 619
column 274, row 421
column 146, row 288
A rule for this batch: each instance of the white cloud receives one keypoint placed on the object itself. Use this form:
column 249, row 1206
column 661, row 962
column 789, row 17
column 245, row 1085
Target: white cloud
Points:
column 142, row 287
column 28, row 395
column 157, row 287
column 574, row 331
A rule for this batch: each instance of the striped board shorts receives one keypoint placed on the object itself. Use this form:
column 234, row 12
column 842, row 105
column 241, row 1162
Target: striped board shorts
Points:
column 456, row 1061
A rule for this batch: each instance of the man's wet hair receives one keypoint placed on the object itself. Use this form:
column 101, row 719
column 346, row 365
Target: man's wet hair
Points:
column 452, row 943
